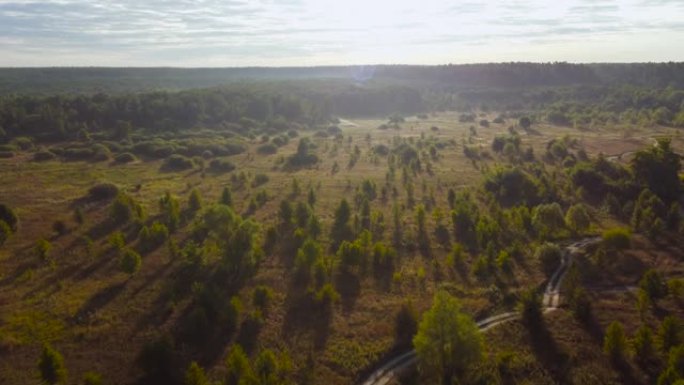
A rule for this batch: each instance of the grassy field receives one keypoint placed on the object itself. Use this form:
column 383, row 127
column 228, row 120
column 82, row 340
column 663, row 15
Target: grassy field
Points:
column 99, row 317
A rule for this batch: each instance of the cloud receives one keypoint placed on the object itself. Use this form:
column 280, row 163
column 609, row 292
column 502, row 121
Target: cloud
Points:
column 273, row 32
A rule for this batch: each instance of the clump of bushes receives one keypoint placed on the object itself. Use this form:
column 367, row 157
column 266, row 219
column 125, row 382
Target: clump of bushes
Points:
column 125, row 157
column 221, row 165
column 43, row 156
column 177, row 163
column 267, row 149
column 103, row 191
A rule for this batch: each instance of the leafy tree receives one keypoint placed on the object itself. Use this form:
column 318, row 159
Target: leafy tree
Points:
column 548, row 219
column 285, row 213
column 448, row 341
column 341, row 230
column 194, row 201
column 549, row 256
column 525, row 122
column 9, row 217
column 43, row 248
column 51, row 366
column 170, row 209
column 311, row 198
column 130, row 262
column 226, row 197
column 237, row 363
column 670, row 333
column 577, row 218
column 195, row 375
column 658, row 167
column 617, row 238
column 117, row 241
column 653, row 285
column 5, row 232
column 512, row 186
column 614, row 342
column 674, row 372
column 262, row 297
column 644, row 345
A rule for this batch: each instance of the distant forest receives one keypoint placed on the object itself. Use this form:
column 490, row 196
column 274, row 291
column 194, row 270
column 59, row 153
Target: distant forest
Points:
column 67, row 103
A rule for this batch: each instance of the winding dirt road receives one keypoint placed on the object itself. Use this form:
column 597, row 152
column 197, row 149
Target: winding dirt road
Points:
column 551, row 300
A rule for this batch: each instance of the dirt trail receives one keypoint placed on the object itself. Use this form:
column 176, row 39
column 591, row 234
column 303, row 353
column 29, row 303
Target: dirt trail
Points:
column 394, row 367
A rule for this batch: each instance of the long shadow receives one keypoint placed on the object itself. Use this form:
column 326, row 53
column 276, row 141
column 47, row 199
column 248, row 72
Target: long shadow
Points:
column 548, row 354
column 349, row 287
column 302, row 317
column 98, row 301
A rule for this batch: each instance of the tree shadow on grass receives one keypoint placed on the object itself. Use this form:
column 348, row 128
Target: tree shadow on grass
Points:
column 547, row 352
column 98, row 301
column 303, row 317
column 349, row 287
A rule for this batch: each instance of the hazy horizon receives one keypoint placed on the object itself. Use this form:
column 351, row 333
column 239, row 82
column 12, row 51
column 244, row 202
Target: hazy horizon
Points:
column 304, row 33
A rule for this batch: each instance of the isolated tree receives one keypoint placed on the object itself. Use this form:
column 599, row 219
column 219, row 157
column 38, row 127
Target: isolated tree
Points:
column 130, row 262
column 653, row 285
column 448, row 342
column 5, row 232
column 614, row 342
column 548, row 219
column 549, row 256
column 285, row 213
column 577, row 218
column 670, row 333
column 237, row 364
column 194, row 375
column 341, row 230
column 674, row 372
column 43, row 248
column 617, row 238
column 9, row 217
column 525, row 122
column 170, row 210
column 194, row 201
column 311, row 198
column 658, row 168
column 644, row 345
column 51, row 366
column 262, row 298
column 226, row 197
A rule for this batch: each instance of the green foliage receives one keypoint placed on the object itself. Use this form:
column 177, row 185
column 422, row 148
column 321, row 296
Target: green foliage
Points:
column 512, row 187
column 658, row 168
column 130, row 262
column 124, row 209
column 226, row 197
column 304, row 156
column 670, row 333
column 644, row 345
column 194, row 201
column 448, row 342
column 177, row 162
column 154, row 236
column 117, row 240
column 674, row 371
column 549, row 256
column 51, row 366
column 170, row 211
column 194, row 375
column 548, row 220
column 262, row 298
column 617, row 238
column 614, row 342
column 577, row 218
column 9, row 217
column 5, row 232
column 653, row 285
column 92, row 378
column 43, row 248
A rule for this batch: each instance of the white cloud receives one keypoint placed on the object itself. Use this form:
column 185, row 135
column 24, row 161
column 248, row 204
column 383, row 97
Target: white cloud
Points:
column 294, row 32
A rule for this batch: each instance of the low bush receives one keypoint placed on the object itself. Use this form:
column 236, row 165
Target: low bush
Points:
column 267, row 149
column 177, row 163
column 103, row 191
column 44, row 156
column 125, row 157
column 221, row 165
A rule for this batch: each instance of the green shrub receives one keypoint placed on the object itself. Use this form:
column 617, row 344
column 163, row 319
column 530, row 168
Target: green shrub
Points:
column 124, row 158
column 44, row 156
column 221, row 165
column 9, row 217
column 617, row 238
column 51, row 366
column 5, row 232
column 259, row 179
column 103, row 191
column 177, row 163
column 614, row 342
column 262, row 297
column 267, row 149
column 549, row 256
column 130, row 262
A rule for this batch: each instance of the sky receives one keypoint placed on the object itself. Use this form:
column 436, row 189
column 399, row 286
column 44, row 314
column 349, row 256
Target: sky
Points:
column 229, row 33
